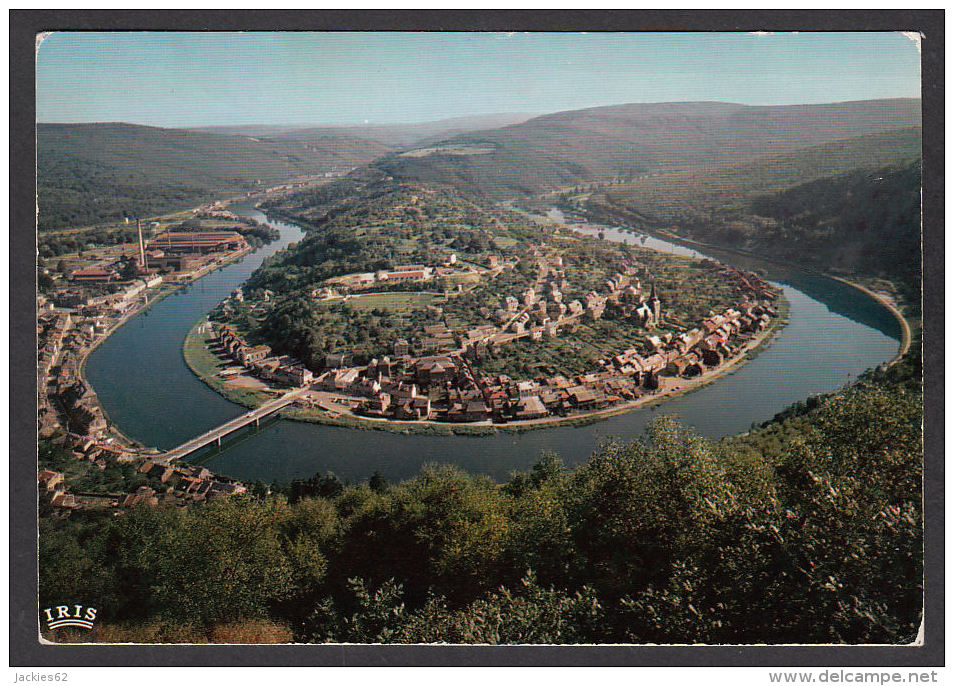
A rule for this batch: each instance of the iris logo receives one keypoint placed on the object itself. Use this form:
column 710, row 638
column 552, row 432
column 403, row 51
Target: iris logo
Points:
column 64, row 615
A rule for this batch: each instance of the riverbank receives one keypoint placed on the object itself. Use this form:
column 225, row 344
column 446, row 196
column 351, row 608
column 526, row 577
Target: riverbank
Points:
column 886, row 302
column 164, row 291
column 893, row 309
column 883, row 300
column 206, row 365
column 111, row 428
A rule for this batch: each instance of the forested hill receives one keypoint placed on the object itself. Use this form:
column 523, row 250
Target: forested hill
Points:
column 851, row 206
column 866, row 220
column 89, row 173
column 623, row 142
column 366, row 224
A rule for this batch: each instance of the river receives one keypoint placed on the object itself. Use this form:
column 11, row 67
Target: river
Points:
column 834, row 333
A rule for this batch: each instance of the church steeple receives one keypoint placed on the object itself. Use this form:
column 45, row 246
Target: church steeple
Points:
column 654, row 303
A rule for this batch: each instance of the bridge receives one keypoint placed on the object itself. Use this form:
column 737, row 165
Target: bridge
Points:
column 216, row 434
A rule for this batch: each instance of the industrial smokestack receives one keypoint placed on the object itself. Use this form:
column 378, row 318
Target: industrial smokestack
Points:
column 142, row 249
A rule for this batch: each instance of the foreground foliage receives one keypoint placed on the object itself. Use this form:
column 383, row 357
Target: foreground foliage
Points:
column 808, row 530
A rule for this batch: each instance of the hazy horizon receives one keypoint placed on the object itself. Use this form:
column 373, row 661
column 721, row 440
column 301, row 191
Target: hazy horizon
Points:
column 199, row 79
column 315, row 124
column 379, row 124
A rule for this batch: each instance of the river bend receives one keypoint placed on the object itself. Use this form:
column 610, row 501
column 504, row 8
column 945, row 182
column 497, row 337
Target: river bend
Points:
column 834, row 333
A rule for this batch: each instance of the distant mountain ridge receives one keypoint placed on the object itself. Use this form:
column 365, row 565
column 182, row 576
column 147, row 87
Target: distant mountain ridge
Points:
column 388, row 134
column 89, row 173
column 626, row 141
column 698, row 170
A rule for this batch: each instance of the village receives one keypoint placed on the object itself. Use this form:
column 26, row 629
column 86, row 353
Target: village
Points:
column 73, row 318
column 178, row 486
column 432, row 376
column 436, row 377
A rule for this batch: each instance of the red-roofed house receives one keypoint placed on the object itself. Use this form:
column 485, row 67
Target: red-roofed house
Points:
column 95, row 275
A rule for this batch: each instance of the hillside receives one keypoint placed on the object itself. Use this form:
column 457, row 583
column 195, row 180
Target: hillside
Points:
column 868, row 220
column 627, row 141
column 851, row 206
column 89, row 173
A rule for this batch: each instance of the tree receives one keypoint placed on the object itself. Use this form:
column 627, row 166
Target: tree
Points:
column 221, row 563
column 322, row 486
column 528, row 614
column 377, row 482
column 130, row 270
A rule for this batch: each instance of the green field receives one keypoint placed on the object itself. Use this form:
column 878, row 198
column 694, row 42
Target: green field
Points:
column 450, row 150
column 395, row 303
column 464, row 279
column 206, row 365
column 201, row 360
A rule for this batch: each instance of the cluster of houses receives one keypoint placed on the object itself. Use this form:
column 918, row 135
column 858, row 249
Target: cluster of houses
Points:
column 719, row 338
column 437, row 338
column 54, row 485
column 69, row 322
column 282, row 369
column 177, row 486
column 109, row 272
column 99, row 451
column 73, row 318
column 430, row 377
column 215, row 210
column 405, row 273
column 51, row 331
column 539, row 313
column 294, row 185
column 185, row 483
column 444, row 387
column 104, row 306
column 747, row 282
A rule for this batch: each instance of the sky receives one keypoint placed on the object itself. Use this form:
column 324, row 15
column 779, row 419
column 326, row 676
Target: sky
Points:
column 181, row 79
